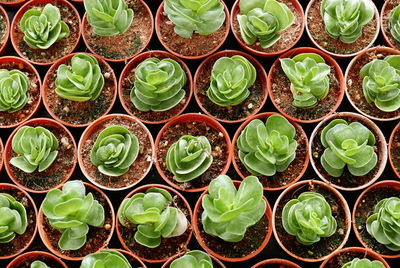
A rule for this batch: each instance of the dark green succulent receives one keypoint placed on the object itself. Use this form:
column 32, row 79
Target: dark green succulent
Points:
column 14, row 86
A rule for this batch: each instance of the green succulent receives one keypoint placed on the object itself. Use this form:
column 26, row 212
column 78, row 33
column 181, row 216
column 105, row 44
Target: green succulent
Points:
column 265, row 149
column 308, row 74
column 231, row 79
column 36, row 148
column 189, row 157
column 363, row 263
column 384, row 223
column 105, row 258
column 13, row 219
column 38, row 264
column 394, row 23
column 154, row 217
column 158, row 85
column 72, row 211
column 193, row 259
column 43, row 28
column 14, row 86
column 308, row 217
column 228, row 211
column 200, row 16
column 114, row 151
column 381, row 83
column 345, row 19
column 263, row 20
column 82, row 81
column 350, row 145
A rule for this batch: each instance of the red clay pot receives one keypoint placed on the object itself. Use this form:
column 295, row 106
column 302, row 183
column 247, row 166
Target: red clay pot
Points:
column 191, row 117
column 53, row 69
column 328, row 59
column 131, row 66
column 32, row 256
column 216, row 263
column 4, row 14
column 1, row 155
column 390, row 150
column 357, row 252
column 261, row 75
column 143, row 188
column 265, row 116
column 275, row 263
column 15, row 3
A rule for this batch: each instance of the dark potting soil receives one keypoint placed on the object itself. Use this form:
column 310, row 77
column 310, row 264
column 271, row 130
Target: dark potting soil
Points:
column 50, row 262
column 390, row 5
column 394, row 151
column 345, row 257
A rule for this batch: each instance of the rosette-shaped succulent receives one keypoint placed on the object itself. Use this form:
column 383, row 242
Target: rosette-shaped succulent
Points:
column 308, row 74
column 38, row 264
column 105, row 258
column 43, row 28
column 36, row 148
column 189, row 157
column 108, row 17
column 193, row 259
column 345, row 19
column 265, row 149
column 348, row 145
column 158, row 85
column 82, row 81
column 114, row 151
column 72, row 211
column 228, row 211
column 231, row 79
column 200, row 16
column 363, row 263
column 394, row 23
column 263, row 20
column 14, row 86
column 154, row 217
column 381, row 83
column 13, row 219
column 309, row 217
column 384, row 223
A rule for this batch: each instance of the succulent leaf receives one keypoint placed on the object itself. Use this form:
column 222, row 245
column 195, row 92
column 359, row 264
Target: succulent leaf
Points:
column 13, row 218
column 14, row 86
column 363, row 263
column 105, row 258
column 38, row 264
column 394, row 23
column 193, row 259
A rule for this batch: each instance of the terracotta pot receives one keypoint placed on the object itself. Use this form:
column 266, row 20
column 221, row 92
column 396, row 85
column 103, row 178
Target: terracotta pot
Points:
column 4, row 14
column 100, row 124
column 267, row 215
column 235, row 11
column 143, row 188
column 396, row 131
column 322, row 27
column 384, row 20
column 275, row 263
column 15, row 3
column 216, row 263
column 263, row 116
column 261, row 76
column 354, row 252
column 44, row 236
column 131, row 66
column 367, row 54
column 20, row 13
column 385, row 187
column 32, row 256
column 329, row 60
column 380, row 143
column 22, row 65
column 45, row 90
column 160, row 10
column 47, row 123
column 31, row 213
column 295, row 190
column 191, row 117
column 1, row 155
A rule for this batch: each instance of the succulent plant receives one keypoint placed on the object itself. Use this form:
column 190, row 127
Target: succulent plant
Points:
column 42, row 28
column 36, row 148
column 348, row 145
column 263, row 20
column 82, row 81
column 394, row 23
column 14, row 86
column 231, row 79
column 363, row 263
column 189, row 157
column 345, row 19
column 308, row 74
column 200, row 16
column 105, row 258
column 383, row 224
column 265, row 149
column 108, row 17
column 158, row 85
column 193, row 259
column 154, row 216
column 38, row 264
column 381, row 83
column 13, row 219
column 228, row 211
column 308, row 217
column 114, row 151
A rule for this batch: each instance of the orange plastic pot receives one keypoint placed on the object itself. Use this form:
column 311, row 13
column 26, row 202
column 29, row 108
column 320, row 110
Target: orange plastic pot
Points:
column 32, row 256
column 276, row 263
column 1, row 155
column 357, row 252
column 4, row 14
column 396, row 131
column 216, row 263
column 15, row 3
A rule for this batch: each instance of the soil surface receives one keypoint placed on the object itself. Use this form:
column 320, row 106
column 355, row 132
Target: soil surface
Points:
column 345, row 257
column 386, row 23
column 394, row 151
column 50, row 262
